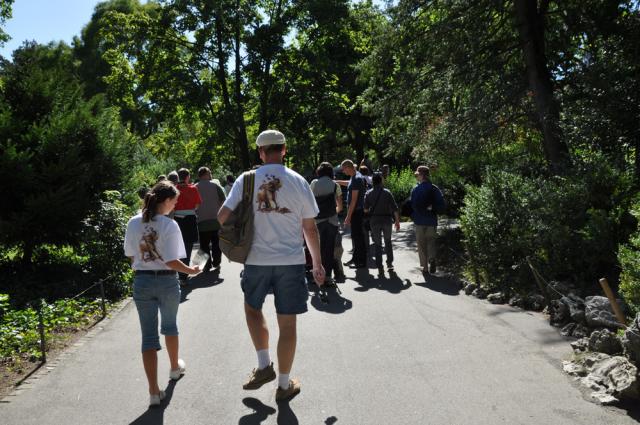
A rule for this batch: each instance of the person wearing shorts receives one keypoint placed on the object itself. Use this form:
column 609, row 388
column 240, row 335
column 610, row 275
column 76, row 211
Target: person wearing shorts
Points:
column 284, row 216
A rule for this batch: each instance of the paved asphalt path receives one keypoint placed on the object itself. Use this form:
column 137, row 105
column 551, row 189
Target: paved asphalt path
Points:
column 396, row 350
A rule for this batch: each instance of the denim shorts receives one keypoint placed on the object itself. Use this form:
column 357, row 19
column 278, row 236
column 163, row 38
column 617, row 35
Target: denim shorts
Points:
column 151, row 294
column 288, row 284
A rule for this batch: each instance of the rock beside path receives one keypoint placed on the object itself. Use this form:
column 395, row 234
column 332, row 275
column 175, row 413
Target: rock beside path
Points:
column 575, row 330
column 599, row 313
column 605, row 341
column 608, row 377
column 535, row 302
column 469, row 288
column 566, row 309
column 496, row 298
column 480, row 292
column 516, row 301
column 631, row 340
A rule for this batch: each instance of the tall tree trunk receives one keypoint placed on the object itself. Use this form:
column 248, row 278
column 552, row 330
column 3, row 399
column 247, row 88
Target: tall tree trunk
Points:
column 221, row 72
column 531, row 29
column 266, row 76
column 637, row 160
column 222, row 77
column 27, row 254
column 243, row 143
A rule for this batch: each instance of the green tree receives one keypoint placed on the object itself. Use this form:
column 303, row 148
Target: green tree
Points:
column 58, row 150
column 90, row 47
column 462, row 80
column 318, row 85
column 5, row 13
column 233, row 68
column 185, row 59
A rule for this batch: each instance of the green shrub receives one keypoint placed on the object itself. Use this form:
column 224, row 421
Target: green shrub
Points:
column 103, row 237
column 400, row 184
column 566, row 226
column 19, row 333
column 629, row 258
column 448, row 177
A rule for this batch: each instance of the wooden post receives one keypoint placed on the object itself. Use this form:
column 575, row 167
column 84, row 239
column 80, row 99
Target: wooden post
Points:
column 614, row 303
column 43, row 347
column 104, row 306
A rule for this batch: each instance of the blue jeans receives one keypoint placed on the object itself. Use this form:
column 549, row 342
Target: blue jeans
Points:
column 152, row 293
column 288, row 283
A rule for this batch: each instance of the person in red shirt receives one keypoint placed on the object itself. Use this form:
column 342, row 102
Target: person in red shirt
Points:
column 185, row 215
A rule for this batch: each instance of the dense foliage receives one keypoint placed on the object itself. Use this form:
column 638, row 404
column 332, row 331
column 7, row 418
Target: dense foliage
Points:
column 629, row 257
column 5, row 13
column 19, row 331
column 59, row 151
column 566, row 226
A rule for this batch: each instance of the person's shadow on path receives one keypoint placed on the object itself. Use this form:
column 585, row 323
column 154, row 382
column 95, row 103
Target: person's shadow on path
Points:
column 260, row 412
column 333, row 302
column 439, row 284
column 392, row 284
column 202, row 280
column 285, row 414
column 155, row 415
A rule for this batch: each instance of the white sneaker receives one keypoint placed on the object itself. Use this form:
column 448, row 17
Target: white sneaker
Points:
column 155, row 399
column 175, row 374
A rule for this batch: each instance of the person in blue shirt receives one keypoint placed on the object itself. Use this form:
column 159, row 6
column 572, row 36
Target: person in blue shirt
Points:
column 426, row 201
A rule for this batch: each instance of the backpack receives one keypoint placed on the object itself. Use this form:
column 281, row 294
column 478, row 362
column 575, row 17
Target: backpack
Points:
column 236, row 234
column 327, row 204
column 436, row 208
column 406, row 210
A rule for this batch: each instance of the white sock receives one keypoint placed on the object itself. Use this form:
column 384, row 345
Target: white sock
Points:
column 263, row 358
column 283, row 381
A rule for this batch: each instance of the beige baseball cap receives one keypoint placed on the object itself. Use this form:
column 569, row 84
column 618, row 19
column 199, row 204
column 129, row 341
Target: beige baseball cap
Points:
column 270, row 137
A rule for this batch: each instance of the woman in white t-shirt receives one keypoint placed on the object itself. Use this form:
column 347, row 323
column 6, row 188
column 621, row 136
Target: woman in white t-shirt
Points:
column 154, row 244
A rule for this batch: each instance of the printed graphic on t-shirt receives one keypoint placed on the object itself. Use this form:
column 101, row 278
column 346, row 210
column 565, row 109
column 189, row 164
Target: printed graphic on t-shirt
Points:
column 148, row 251
column 267, row 195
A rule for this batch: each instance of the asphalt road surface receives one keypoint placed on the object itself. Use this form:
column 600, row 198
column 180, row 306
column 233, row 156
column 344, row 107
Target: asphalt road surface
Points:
column 392, row 350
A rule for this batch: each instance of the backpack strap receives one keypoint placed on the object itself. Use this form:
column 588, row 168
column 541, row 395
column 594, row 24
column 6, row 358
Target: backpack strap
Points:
column 371, row 212
column 247, row 187
column 221, row 196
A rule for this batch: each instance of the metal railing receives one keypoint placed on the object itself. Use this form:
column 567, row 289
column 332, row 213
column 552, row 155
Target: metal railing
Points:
column 37, row 305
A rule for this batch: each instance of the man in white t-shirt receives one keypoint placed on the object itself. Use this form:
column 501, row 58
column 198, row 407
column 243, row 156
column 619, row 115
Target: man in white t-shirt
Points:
column 284, row 210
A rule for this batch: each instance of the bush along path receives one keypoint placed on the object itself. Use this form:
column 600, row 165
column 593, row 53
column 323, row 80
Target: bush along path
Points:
column 606, row 352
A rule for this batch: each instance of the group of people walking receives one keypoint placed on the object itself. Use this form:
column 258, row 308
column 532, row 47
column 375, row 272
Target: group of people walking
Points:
column 288, row 213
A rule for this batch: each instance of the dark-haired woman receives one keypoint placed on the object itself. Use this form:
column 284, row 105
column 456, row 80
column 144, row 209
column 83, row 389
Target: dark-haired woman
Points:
column 154, row 244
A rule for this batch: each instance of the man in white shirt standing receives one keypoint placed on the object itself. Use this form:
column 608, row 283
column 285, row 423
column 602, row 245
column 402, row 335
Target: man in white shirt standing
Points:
column 284, row 210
